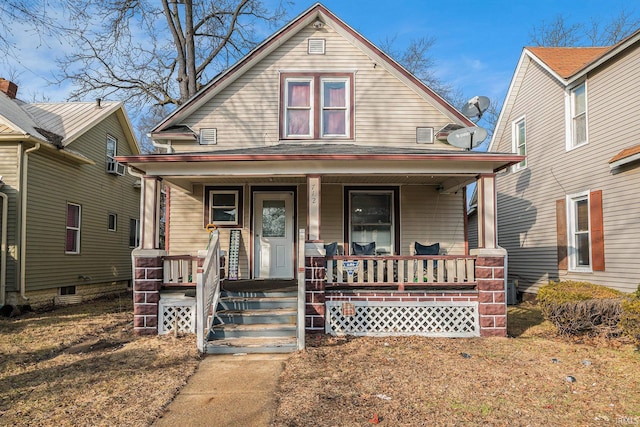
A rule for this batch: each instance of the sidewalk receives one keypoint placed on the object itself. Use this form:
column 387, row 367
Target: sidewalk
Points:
column 227, row 390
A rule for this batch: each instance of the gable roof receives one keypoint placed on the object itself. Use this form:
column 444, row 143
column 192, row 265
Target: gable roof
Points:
column 567, row 65
column 315, row 12
column 59, row 123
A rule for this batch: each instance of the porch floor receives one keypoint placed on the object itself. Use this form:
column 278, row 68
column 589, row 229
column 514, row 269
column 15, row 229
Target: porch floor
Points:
column 267, row 285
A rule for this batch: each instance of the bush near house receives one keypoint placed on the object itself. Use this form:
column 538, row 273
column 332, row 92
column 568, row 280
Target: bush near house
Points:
column 582, row 308
column 630, row 319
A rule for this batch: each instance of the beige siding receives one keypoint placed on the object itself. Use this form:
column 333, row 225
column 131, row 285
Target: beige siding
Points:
column 526, row 222
column 332, row 214
column 9, row 159
column 246, row 113
column 105, row 256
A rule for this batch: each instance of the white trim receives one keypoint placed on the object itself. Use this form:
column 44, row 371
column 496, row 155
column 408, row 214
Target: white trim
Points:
column 346, row 108
column 515, row 142
column 569, row 116
column 301, row 79
column 76, row 228
column 115, row 221
column 236, row 193
column 571, row 199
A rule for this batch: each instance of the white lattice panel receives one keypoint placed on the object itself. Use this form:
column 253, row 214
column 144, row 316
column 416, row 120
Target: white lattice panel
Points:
column 379, row 318
column 180, row 312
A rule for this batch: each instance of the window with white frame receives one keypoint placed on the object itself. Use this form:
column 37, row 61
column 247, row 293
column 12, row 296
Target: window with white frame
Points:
column 371, row 219
column 578, row 108
column 579, row 232
column 112, row 144
column 224, row 207
column 134, row 233
column 519, row 141
column 72, row 242
column 316, row 106
column 112, row 222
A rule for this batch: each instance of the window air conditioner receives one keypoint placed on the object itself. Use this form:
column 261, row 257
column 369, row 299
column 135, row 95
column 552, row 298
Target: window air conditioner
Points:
column 114, row 167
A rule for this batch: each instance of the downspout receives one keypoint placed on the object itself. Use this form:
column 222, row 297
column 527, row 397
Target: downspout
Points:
column 167, row 147
column 23, row 221
column 3, row 256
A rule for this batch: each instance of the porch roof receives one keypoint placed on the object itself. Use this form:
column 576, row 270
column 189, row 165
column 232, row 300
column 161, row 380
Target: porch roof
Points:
column 298, row 160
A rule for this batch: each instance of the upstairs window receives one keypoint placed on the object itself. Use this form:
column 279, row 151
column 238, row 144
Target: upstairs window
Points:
column 317, row 106
column 578, row 119
column 112, row 145
column 72, row 243
column 519, row 142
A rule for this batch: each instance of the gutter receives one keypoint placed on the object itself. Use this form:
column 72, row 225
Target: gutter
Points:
column 3, row 256
column 23, row 219
column 167, row 147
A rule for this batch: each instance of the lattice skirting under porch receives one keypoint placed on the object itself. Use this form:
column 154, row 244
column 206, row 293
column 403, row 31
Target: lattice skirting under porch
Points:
column 176, row 311
column 380, row 318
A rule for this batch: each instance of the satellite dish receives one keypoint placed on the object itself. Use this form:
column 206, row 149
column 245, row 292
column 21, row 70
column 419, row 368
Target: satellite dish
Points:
column 467, row 137
column 475, row 107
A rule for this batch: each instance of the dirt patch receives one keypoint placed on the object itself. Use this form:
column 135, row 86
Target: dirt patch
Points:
column 538, row 378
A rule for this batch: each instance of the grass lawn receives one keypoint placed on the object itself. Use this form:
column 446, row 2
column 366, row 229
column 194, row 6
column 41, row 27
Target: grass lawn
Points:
column 82, row 366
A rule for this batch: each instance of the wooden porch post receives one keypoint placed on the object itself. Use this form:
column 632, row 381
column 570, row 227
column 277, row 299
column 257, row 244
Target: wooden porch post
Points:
column 150, row 213
column 487, row 229
column 313, row 203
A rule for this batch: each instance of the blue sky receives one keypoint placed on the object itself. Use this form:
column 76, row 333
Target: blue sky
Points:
column 478, row 43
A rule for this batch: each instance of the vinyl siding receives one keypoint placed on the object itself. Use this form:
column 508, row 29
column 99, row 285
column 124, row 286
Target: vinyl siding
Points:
column 9, row 159
column 105, row 256
column 246, row 113
column 526, row 199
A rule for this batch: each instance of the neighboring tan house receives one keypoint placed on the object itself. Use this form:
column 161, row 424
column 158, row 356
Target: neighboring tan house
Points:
column 70, row 212
column 316, row 138
column 569, row 211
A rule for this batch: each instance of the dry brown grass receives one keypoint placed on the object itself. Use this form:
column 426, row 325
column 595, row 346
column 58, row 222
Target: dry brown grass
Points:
column 412, row 381
column 82, row 366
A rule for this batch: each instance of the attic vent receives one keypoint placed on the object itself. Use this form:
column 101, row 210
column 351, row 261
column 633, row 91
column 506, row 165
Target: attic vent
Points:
column 316, row 46
column 209, row 136
column 424, row 135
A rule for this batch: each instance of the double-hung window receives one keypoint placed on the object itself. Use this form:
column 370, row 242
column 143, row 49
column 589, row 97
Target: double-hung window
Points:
column 371, row 219
column 72, row 243
column 579, row 232
column 317, row 106
column 519, row 142
column 578, row 120
column 134, row 232
column 112, row 144
column 223, row 206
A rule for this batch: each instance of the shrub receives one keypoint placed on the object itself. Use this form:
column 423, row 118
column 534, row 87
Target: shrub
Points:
column 581, row 307
column 630, row 319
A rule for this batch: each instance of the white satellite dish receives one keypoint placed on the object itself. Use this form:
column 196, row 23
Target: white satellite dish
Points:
column 475, row 107
column 467, row 138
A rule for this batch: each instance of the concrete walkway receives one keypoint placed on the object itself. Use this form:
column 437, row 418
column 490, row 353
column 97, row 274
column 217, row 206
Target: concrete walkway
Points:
column 228, row 390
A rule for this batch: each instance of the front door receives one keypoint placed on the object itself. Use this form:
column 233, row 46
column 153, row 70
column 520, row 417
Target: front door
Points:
column 273, row 231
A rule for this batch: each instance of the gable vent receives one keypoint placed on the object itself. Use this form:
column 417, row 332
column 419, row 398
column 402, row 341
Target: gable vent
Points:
column 316, row 46
column 424, row 135
column 209, row 136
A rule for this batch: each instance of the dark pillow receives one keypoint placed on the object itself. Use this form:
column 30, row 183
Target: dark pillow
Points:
column 331, row 249
column 366, row 249
column 427, row 249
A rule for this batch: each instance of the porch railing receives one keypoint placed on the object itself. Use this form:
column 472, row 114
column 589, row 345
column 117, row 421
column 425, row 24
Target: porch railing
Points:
column 208, row 290
column 180, row 270
column 401, row 271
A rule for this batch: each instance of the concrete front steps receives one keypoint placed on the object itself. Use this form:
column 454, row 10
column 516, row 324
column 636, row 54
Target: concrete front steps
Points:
column 255, row 322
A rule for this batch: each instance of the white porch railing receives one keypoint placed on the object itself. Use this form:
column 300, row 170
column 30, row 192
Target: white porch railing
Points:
column 180, row 270
column 208, row 290
column 403, row 271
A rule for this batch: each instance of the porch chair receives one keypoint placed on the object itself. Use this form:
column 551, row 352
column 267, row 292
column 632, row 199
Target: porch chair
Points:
column 365, row 249
column 426, row 250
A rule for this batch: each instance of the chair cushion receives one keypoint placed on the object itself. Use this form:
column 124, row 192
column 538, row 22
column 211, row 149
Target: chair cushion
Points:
column 366, row 249
column 427, row 249
column 331, row 249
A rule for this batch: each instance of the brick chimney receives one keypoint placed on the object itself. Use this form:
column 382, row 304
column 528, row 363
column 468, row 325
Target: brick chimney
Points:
column 9, row 88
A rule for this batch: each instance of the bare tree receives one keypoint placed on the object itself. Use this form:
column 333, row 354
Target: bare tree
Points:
column 560, row 33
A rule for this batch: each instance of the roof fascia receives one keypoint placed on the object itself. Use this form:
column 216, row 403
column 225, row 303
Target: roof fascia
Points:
column 545, row 66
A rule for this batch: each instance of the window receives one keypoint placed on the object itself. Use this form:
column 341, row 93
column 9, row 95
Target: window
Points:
column 112, row 222
column 580, row 232
column 578, row 123
column 112, row 145
column 72, row 243
column 519, row 142
column 317, row 106
column 371, row 217
column 223, row 206
column 134, row 233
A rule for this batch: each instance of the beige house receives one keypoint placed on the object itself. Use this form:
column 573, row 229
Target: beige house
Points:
column 70, row 212
column 322, row 162
column 569, row 211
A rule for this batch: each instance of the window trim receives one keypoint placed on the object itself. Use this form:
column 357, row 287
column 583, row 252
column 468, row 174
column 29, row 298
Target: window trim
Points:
column 570, row 116
column 316, row 104
column 238, row 190
column 138, row 232
column 115, row 221
column 515, row 142
column 77, row 229
column 572, row 252
column 115, row 146
column 395, row 211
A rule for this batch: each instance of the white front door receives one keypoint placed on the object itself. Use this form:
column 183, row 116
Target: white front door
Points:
column 273, row 235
